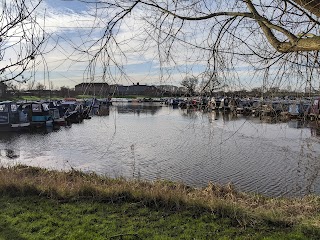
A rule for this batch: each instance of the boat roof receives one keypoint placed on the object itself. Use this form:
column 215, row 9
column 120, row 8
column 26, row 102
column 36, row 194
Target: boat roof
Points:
column 69, row 102
column 31, row 102
column 70, row 99
column 7, row 102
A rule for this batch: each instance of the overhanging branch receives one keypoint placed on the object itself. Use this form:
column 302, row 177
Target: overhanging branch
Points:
column 311, row 5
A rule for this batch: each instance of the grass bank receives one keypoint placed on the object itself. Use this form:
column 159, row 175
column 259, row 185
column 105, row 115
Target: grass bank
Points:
column 41, row 204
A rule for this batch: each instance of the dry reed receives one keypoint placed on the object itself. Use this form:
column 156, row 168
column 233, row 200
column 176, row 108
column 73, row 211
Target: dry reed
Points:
column 245, row 209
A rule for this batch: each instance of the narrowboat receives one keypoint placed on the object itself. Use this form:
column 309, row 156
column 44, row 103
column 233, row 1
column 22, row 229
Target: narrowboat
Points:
column 56, row 113
column 174, row 102
column 12, row 117
column 271, row 109
column 256, row 108
column 284, row 110
column 278, row 107
column 98, row 107
column 227, row 104
column 224, row 104
column 38, row 114
column 214, row 104
column 203, row 103
column 103, row 109
column 314, row 109
column 184, row 104
column 195, row 103
column 298, row 109
column 244, row 107
column 72, row 110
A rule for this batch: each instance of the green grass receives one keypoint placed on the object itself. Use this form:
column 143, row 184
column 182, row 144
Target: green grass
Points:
column 113, row 96
column 33, row 98
column 40, row 204
column 37, row 98
column 87, row 96
column 28, row 98
column 42, row 218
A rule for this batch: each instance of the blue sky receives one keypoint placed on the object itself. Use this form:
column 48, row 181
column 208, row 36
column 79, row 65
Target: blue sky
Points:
column 69, row 22
column 70, row 27
column 63, row 5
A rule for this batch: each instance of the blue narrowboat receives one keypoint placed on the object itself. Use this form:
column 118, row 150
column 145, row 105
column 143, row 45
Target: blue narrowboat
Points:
column 38, row 113
column 298, row 109
column 12, row 117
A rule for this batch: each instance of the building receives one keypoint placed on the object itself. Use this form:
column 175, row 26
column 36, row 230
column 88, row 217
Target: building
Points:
column 145, row 90
column 104, row 90
column 94, row 89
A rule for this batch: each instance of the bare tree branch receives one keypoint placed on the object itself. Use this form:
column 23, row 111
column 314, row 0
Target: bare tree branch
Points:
column 215, row 35
column 21, row 39
column 311, row 5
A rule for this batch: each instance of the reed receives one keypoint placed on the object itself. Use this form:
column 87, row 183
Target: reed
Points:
column 242, row 209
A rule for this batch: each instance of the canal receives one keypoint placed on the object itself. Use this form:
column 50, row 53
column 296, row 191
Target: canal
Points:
column 154, row 141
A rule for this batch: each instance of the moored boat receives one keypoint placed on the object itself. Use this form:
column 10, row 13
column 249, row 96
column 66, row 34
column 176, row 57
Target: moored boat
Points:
column 298, row 109
column 314, row 109
column 38, row 114
column 244, row 107
column 227, row 104
column 72, row 110
column 13, row 117
column 58, row 120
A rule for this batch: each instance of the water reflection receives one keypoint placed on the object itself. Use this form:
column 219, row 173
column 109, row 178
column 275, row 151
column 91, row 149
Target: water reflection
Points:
column 297, row 124
column 192, row 146
column 102, row 110
column 138, row 108
column 315, row 129
column 212, row 115
column 6, row 136
column 190, row 113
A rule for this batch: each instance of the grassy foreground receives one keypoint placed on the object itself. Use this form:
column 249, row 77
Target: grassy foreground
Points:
column 41, row 204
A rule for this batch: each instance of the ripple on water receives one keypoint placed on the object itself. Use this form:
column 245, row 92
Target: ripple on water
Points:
column 192, row 147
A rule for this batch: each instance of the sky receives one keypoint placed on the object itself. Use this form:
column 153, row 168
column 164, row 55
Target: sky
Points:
column 69, row 23
column 72, row 29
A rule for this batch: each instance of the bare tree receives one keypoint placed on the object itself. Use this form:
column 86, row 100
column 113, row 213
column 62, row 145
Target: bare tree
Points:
column 210, row 82
column 190, row 83
column 280, row 38
column 40, row 87
column 21, row 39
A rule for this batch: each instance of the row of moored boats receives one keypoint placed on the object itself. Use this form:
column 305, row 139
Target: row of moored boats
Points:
column 16, row 116
column 301, row 108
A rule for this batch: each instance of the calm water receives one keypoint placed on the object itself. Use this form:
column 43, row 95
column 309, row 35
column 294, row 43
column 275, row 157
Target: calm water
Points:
column 158, row 142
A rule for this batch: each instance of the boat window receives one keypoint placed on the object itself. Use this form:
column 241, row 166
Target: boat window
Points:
column 72, row 107
column 3, row 108
column 56, row 113
column 45, row 107
column 36, row 108
column 14, row 108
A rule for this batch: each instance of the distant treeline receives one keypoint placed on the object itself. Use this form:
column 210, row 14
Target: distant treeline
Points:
column 65, row 92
